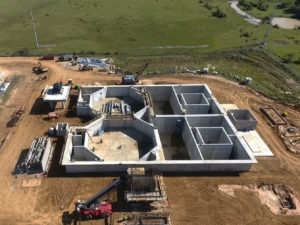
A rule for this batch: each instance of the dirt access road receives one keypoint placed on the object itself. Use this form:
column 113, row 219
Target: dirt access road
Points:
column 194, row 198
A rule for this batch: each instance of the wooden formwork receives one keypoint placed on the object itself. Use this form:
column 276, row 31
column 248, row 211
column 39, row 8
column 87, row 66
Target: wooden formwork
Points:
column 274, row 117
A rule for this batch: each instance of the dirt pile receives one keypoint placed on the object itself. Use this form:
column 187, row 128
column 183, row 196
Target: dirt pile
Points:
column 279, row 198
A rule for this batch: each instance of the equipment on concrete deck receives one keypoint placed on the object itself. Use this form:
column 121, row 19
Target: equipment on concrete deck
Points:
column 57, row 87
column 70, row 82
column 39, row 69
column 94, row 208
column 133, row 79
column 52, row 115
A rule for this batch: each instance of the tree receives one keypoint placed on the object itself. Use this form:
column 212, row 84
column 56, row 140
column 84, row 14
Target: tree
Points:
column 219, row 13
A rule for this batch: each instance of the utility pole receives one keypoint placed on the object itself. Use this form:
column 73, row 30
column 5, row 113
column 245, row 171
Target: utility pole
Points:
column 269, row 27
column 33, row 24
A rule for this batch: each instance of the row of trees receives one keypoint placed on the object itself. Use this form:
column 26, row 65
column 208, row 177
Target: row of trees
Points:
column 290, row 6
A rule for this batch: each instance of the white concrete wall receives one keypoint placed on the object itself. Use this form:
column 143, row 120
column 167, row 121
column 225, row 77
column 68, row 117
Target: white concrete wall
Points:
column 135, row 95
column 80, row 152
column 238, row 151
column 215, row 152
column 97, row 96
column 175, row 166
column 159, row 93
column 175, row 104
column 196, row 109
column 241, row 119
column 93, row 127
column 214, row 107
column 190, row 143
column 117, row 91
column 165, row 124
column 140, row 113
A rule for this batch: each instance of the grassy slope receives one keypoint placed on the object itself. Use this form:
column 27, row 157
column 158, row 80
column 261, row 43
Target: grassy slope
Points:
column 134, row 27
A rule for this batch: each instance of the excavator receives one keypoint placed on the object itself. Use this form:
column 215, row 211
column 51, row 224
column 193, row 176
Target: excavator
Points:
column 95, row 208
column 39, row 69
column 133, row 79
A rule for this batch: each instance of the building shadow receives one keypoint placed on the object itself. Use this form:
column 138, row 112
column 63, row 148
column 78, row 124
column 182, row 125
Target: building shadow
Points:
column 39, row 107
column 71, row 112
column 20, row 168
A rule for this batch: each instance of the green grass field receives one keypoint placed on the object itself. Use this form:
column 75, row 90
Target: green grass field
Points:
column 180, row 31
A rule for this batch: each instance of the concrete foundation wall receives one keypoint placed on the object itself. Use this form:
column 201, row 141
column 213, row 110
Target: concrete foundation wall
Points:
column 214, row 135
column 195, row 98
column 214, row 107
column 175, row 104
column 238, row 151
column 135, row 95
column 165, row 124
column 194, row 89
column 197, row 136
column 160, row 93
column 214, row 152
column 97, row 96
column 243, row 120
column 190, row 143
column 234, row 166
column 77, row 140
column 81, row 153
column 117, row 91
column 87, row 90
column 205, row 121
column 95, row 126
column 196, row 109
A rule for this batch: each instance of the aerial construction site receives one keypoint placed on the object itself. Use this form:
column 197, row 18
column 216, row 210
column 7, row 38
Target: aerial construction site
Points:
column 99, row 147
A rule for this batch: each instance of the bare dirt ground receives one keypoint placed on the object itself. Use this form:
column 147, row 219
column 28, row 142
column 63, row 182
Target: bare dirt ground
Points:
column 193, row 198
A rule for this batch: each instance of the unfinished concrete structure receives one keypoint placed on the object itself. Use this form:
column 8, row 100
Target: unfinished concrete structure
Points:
column 39, row 155
column 159, row 127
column 242, row 119
column 56, row 93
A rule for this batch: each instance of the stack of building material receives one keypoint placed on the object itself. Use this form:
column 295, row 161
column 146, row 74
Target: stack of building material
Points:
column 38, row 157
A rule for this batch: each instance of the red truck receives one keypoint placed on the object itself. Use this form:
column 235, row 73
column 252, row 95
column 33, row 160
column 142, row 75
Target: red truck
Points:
column 50, row 57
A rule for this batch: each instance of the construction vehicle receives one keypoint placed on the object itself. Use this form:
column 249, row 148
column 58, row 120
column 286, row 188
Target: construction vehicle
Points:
column 50, row 57
column 84, row 67
column 21, row 110
column 66, row 57
column 16, row 117
column 284, row 114
column 133, row 79
column 52, row 115
column 39, row 69
column 42, row 78
column 95, row 208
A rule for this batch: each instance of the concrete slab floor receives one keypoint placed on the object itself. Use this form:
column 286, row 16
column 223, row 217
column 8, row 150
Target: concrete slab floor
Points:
column 173, row 147
column 120, row 145
column 98, row 105
column 162, row 108
column 227, row 107
column 256, row 143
